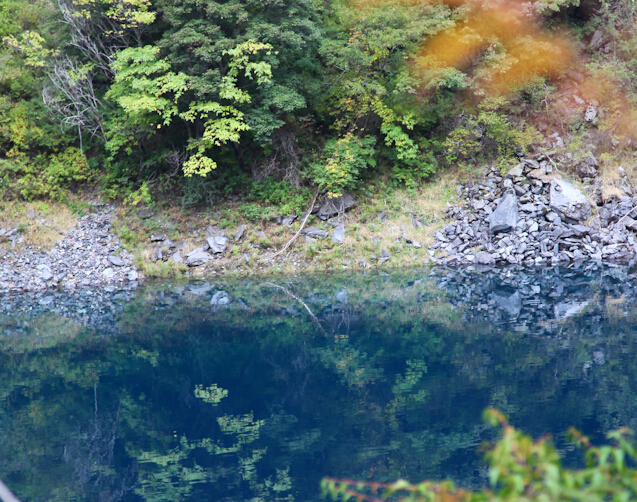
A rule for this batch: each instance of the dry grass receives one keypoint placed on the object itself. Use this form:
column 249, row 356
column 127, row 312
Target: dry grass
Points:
column 365, row 234
column 42, row 224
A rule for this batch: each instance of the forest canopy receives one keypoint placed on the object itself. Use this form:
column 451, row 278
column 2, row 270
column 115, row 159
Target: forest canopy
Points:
column 215, row 96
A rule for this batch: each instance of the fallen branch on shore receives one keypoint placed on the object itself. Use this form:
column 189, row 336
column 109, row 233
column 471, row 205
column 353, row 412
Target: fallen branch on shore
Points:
column 307, row 215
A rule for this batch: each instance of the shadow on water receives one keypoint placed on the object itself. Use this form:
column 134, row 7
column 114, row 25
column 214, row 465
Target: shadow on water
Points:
column 255, row 389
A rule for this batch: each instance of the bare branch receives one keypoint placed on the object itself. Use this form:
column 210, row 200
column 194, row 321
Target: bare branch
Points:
column 69, row 95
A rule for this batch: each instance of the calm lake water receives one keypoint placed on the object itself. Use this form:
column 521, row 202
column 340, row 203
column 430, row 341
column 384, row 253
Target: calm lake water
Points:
column 255, row 390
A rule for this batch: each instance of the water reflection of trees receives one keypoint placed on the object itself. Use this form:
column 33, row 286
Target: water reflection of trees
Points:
column 255, row 399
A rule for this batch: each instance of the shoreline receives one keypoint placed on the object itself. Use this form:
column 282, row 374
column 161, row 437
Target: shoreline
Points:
column 529, row 218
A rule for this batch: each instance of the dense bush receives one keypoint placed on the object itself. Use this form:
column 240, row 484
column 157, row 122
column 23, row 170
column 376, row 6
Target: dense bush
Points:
column 521, row 469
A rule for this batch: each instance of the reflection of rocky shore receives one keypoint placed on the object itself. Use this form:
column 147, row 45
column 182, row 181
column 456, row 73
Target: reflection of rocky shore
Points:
column 94, row 309
column 537, row 301
column 526, row 300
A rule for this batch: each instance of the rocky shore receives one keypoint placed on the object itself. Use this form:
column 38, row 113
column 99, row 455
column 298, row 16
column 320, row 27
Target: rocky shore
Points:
column 89, row 256
column 534, row 216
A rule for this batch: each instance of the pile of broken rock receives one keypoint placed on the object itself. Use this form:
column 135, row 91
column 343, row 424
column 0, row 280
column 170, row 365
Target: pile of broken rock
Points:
column 532, row 216
column 89, row 256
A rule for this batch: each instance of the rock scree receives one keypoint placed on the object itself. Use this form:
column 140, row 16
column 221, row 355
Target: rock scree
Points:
column 533, row 217
column 89, row 256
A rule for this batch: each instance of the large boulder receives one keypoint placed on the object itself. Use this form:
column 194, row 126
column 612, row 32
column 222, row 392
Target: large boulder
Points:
column 339, row 234
column 568, row 201
column 505, row 217
column 335, row 206
column 116, row 260
column 197, row 258
column 217, row 244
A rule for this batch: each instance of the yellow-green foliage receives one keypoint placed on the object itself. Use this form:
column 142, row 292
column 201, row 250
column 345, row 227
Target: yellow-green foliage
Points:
column 521, row 470
column 344, row 158
column 52, row 176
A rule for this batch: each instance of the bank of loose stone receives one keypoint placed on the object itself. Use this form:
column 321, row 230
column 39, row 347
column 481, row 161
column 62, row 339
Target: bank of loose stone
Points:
column 89, row 256
column 531, row 218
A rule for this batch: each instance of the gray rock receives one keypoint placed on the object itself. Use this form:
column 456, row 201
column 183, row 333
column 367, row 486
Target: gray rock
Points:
column 597, row 40
column 108, row 273
column 177, row 258
column 218, row 243
column 531, row 163
column 516, row 171
column 278, row 219
column 288, row 220
column 630, row 224
column 337, row 205
column 363, row 263
column 505, row 217
column 315, row 233
column 551, row 216
column 133, row 275
column 157, row 237
column 568, row 201
column 384, row 256
column 145, row 213
column 60, row 276
column 580, row 230
column 339, row 234
column 590, row 114
column 116, row 260
column 591, row 160
column 44, row 272
column 484, row 258
column 239, row 233
column 520, row 190
column 585, row 171
column 197, row 258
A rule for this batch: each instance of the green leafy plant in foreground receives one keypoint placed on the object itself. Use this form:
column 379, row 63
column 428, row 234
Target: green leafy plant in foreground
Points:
column 520, row 469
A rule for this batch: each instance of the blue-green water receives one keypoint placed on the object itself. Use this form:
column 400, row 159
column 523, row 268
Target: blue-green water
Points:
column 255, row 390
